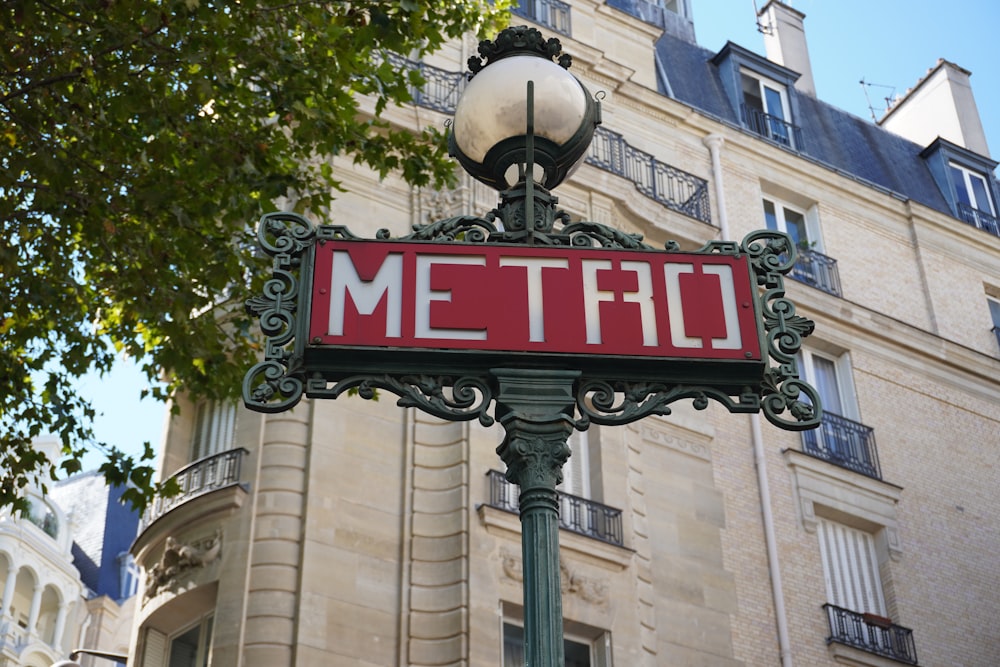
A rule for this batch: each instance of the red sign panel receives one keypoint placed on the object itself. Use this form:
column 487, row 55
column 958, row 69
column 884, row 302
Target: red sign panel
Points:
column 550, row 300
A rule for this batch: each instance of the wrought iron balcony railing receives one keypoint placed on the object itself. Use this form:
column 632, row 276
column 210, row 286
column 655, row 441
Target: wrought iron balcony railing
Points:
column 816, row 269
column 204, row 475
column 771, row 127
column 871, row 633
column 441, row 88
column 552, row 14
column 979, row 219
column 577, row 515
column 675, row 189
column 667, row 185
column 845, row 443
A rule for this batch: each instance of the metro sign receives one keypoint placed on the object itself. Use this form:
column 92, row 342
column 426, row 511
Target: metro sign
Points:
column 650, row 314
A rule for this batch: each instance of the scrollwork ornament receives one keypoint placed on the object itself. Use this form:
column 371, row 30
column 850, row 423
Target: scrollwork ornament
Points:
column 455, row 399
column 270, row 380
column 588, row 234
column 285, row 233
column 619, row 403
column 462, row 228
column 275, row 384
column 772, row 256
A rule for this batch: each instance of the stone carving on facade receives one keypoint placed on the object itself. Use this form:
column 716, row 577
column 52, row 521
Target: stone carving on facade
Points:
column 594, row 591
column 683, row 445
column 179, row 559
column 440, row 204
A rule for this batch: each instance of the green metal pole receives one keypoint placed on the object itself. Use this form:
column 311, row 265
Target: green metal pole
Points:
column 536, row 410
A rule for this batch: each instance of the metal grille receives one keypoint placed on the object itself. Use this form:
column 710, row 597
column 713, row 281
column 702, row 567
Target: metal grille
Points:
column 577, row 515
column 816, row 269
column 208, row 474
column 871, row 633
column 772, row 127
column 675, row 189
column 844, row 442
column 979, row 219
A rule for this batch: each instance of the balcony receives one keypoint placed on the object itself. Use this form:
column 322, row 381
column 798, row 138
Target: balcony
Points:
column 817, row 270
column 844, row 443
column 667, row 185
column 551, row 14
column 441, row 88
column 577, row 515
column 979, row 219
column 771, row 127
column 872, row 634
column 675, row 189
column 198, row 478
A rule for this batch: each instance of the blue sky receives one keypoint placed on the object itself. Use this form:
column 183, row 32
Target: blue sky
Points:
column 886, row 42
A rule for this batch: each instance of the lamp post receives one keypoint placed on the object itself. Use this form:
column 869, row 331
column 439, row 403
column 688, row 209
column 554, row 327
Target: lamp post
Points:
column 522, row 126
column 522, row 144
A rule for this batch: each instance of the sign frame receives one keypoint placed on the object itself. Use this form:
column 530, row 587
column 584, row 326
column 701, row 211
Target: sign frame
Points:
column 459, row 384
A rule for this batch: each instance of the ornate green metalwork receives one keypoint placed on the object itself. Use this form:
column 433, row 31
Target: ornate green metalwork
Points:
column 279, row 381
column 452, row 398
column 518, row 40
column 772, row 255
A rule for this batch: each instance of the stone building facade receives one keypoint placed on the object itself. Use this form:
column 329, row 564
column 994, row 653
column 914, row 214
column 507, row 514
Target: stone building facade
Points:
column 354, row 532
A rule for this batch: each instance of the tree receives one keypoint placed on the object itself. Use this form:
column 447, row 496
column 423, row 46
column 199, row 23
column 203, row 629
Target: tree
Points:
column 140, row 141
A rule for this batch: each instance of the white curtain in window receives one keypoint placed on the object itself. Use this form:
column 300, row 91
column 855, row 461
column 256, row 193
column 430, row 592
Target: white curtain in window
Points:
column 850, row 568
column 215, row 424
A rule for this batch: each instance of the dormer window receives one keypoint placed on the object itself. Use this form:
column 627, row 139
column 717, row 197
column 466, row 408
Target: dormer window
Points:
column 972, row 193
column 765, row 108
column 967, row 183
column 761, row 93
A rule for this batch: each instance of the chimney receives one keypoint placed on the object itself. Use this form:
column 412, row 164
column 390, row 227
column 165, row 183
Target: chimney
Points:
column 785, row 42
column 940, row 105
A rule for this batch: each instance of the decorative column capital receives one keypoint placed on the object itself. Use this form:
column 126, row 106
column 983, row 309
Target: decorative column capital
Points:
column 536, row 410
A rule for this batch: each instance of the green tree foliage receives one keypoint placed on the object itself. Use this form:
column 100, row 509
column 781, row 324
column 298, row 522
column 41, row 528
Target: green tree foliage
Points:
column 139, row 142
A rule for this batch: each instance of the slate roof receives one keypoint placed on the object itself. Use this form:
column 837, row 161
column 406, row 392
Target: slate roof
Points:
column 830, row 136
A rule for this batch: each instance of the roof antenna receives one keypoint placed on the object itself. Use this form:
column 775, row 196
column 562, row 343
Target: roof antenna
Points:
column 761, row 28
column 888, row 98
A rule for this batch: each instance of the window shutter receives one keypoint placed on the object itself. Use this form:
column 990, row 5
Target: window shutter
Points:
column 850, row 568
column 154, row 652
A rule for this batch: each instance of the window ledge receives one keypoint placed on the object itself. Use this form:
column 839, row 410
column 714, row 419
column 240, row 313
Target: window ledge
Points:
column 507, row 524
column 829, row 490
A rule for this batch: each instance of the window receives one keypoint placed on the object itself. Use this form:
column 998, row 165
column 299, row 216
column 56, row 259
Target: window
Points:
column 783, row 218
column 850, row 568
column 971, row 189
column 995, row 316
column 966, row 180
column 128, row 575
column 190, row 647
column 840, row 439
column 812, row 267
column 576, row 471
column 579, row 651
column 214, row 426
column 552, row 14
column 579, row 472
column 856, row 607
column 765, row 108
column 831, row 376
